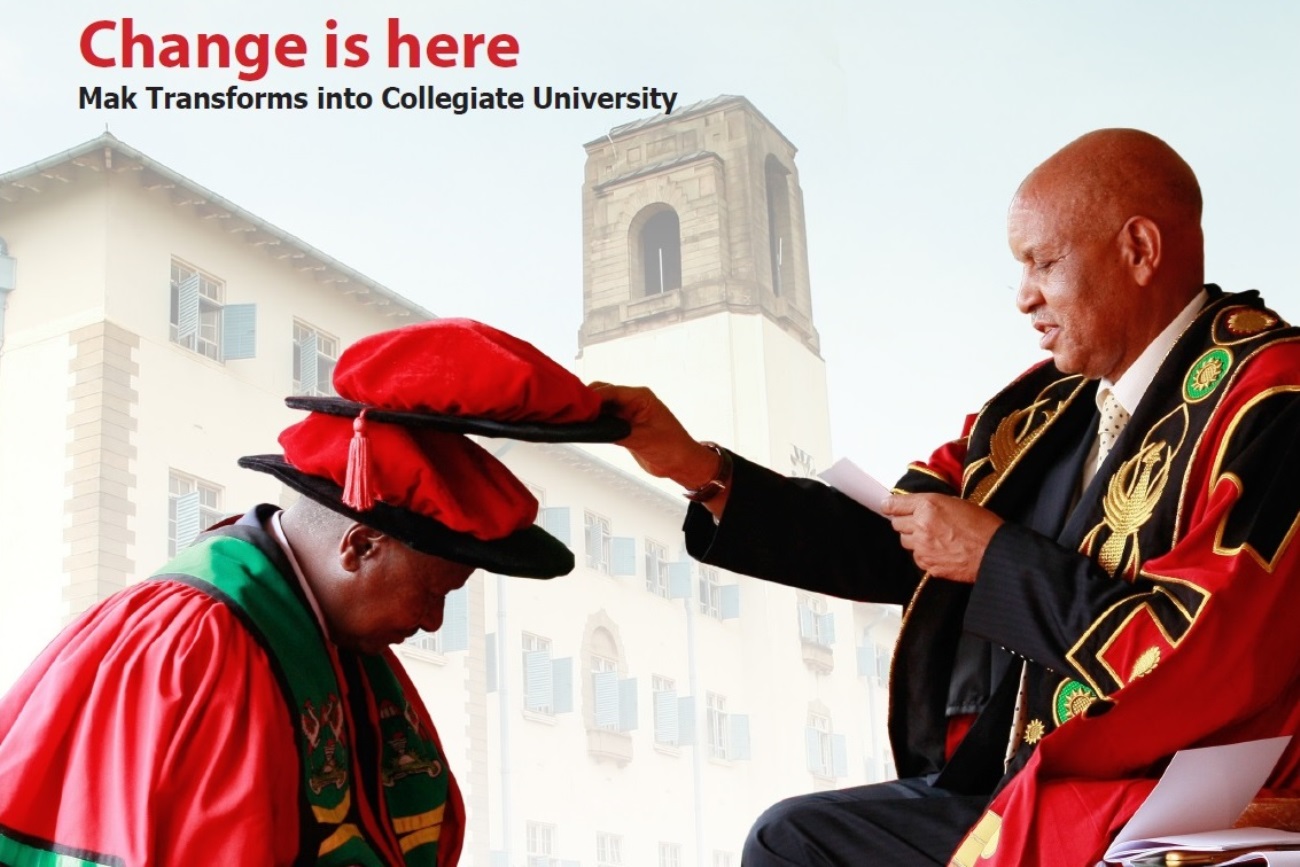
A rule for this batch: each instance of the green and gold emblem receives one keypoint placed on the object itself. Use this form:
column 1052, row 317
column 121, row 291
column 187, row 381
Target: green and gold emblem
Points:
column 1206, row 374
column 1072, row 698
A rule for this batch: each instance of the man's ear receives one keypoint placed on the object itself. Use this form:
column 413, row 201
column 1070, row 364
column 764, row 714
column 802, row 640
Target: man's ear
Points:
column 1142, row 248
column 358, row 544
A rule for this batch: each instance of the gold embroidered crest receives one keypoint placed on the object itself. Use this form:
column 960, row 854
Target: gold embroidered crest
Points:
column 1248, row 321
column 1072, row 698
column 1034, row 731
column 1131, row 498
column 1206, row 374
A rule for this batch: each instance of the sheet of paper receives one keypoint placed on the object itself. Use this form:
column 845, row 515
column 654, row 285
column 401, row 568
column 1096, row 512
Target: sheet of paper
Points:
column 854, row 482
column 1183, row 804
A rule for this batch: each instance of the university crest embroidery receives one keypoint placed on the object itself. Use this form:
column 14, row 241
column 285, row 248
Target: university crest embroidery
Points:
column 327, row 754
column 405, row 751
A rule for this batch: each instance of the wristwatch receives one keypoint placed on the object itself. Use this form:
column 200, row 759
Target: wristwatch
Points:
column 721, row 476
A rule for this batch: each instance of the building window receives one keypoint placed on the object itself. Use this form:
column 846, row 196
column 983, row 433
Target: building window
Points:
column 656, row 568
column 539, row 840
column 538, row 687
column 430, row 642
column 196, row 302
column 778, row 225
column 716, row 720
column 827, row 752
column 609, row 850
column 728, row 732
column 819, row 745
column 722, row 859
column 816, row 622
column 598, row 543
column 883, row 660
column 670, row 855
column 667, row 710
column 314, row 354
column 710, row 592
column 661, row 252
column 603, row 665
column 192, row 505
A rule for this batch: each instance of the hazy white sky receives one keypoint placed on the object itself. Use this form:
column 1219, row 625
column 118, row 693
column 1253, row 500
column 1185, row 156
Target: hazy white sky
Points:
column 915, row 122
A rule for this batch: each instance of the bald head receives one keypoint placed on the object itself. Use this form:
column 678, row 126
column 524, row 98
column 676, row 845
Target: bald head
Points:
column 1109, row 231
column 1104, row 177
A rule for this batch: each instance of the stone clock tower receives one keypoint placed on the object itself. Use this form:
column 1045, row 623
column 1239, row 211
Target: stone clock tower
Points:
column 695, row 279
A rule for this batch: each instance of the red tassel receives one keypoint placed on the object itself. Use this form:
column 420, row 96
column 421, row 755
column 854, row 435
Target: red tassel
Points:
column 357, row 490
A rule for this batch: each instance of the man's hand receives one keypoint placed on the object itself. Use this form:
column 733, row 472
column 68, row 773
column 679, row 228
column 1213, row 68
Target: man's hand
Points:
column 946, row 535
column 658, row 441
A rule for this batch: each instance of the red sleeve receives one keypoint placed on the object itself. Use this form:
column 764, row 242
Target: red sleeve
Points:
column 1232, row 676
column 152, row 730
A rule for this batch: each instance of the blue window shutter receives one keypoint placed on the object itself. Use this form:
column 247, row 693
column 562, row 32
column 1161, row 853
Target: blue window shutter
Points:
column 839, row 756
column 882, row 665
column 686, row 720
column 627, row 721
column 622, row 555
column 555, row 520
column 730, row 602
column 187, row 307
column 826, row 629
column 562, row 684
column 679, row 580
column 499, row 859
column 187, row 519
column 807, row 623
column 665, row 711
column 307, row 380
column 537, row 679
column 455, row 621
column 738, row 743
column 490, row 660
column 605, row 688
column 866, row 660
column 239, row 332
column 812, row 745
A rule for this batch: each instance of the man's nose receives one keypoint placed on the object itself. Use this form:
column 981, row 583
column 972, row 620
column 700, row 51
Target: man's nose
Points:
column 1027, row 296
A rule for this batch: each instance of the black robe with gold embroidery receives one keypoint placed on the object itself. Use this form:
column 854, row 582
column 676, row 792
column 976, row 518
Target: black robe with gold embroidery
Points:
column 1177, row 551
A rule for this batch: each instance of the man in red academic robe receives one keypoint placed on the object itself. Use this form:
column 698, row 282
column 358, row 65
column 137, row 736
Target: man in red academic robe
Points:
column 242, row 705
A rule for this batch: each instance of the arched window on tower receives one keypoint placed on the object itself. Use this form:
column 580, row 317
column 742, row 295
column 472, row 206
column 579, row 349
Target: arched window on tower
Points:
column 660, row 249
column 778, row 225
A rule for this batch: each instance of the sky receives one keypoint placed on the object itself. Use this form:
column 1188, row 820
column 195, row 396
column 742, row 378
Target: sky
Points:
column 915, row 122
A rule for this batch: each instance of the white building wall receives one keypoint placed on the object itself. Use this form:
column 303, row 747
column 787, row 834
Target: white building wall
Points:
column 737, row 379
column 100, row 249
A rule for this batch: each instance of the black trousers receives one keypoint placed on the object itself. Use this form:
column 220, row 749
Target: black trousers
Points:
column 895, row 824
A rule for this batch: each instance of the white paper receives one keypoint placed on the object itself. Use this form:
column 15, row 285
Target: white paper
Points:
column 1197, row 799
column 852, row 481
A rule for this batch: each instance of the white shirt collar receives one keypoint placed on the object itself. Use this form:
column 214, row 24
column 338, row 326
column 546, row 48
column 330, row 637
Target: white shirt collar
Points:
column 1133, row 383
column 277, row 532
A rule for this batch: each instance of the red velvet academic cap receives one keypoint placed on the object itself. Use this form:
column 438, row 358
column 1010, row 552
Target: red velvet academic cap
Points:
column 405, row 468
column 463, row 376
column 438, row 492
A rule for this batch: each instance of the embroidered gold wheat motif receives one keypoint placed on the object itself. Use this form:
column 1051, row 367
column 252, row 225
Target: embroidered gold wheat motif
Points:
column 1131, row 499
